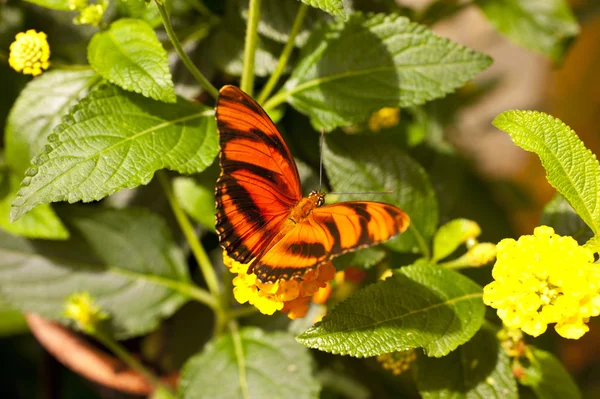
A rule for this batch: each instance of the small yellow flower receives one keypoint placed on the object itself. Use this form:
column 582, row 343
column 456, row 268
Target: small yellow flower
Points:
column 29, row 53
column 545, row 278
column 397, row 362
column 288, row 296
column 81, row 308
column 91, row 15
column 384, row 118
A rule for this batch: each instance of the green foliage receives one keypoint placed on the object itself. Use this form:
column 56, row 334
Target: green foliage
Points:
column 368, row 163
column 126, row 260
column 250, row 364
column 570, row 167
column 454, row 233
column 548, row 378
column 422, row 306
column 113, row 140
column 547, row 26
column 129, row 55
column 478, row 369
column 12, row 321
column 197, row 199
column 334, row 7
column 565, row 221
column 54, row 4
column 397, row 64
column 364, row 258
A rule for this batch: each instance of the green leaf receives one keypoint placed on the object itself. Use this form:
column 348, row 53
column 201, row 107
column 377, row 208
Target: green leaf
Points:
column 365, row 258
column 114, row 140
column 420, row 306
column 198, row 200
column 12, row 321
column 253, row 364
column 129, row 55
column 548, row 378
column 570, row 167
column 38, row 110
column 126, row 260
column 477, row 369
column 63, row 5
column 396, row 63
column 41, row 222
column 547, row 26
column 333, row 7
column 562, row 217
column 141, row 9
column 451, row 235
column 372, row 163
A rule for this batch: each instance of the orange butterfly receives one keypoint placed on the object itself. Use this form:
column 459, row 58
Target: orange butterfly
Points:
column 261, row 214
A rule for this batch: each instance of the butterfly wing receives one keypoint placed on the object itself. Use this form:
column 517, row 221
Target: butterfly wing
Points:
column 259, row 181
column 329, row 231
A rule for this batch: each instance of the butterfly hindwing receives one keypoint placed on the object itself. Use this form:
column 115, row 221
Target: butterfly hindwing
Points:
column 327, row 232
column 259, row 181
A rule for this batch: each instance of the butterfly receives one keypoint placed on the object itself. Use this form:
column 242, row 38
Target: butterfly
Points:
column 261, row 214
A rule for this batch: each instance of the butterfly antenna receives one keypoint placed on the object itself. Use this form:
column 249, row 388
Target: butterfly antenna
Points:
column 321, row 160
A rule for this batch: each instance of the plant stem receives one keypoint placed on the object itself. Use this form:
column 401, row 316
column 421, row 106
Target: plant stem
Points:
column 127, row 358
column 285, row 54
column 240, row 357
column 184, row 57
column 276, row 100
column 242, row 312
column 186, row 226
column 247, row 81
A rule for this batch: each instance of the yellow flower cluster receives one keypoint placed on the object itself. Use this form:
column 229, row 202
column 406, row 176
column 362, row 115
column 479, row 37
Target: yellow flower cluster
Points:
column 29, row 53
column 81, row 308
column 397, row 362
column 288, row 296
column 384, row 118
column 89, row 14
column 545, row 278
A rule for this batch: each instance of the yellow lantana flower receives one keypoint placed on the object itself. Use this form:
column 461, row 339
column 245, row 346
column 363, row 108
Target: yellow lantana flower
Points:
column 545, row 278
column 288, row 296
column 29, row 53
column 81, row 308
column 384, row 118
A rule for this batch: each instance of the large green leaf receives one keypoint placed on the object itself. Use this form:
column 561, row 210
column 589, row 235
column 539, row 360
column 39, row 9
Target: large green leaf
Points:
column 253, row 364
column 478, row 369
column 197, row 199
column 565, row 221
column 333, row 7
column 350, row 69
column 146, row 11
column 114, row 140
column 371, row 163
column 129, row 55
column 38, row 110
column 570, row 167
column 547, row 26
column 548, row 378
column 126, row 260
column 365, row 258
column 420, row 306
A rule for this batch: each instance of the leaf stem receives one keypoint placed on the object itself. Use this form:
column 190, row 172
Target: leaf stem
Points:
column 421, row 241
column 128, row 359
column 205, row 83
column 242, row 312
column 247, row 81
column 276, row 100
column 186, row 226
column 241, row 360
column 285, row 54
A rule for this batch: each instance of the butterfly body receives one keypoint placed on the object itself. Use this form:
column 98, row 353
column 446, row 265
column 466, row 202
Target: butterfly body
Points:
column 261, row 214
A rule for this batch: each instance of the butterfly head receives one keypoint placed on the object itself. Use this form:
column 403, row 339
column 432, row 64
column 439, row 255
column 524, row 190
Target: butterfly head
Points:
column 317, row 197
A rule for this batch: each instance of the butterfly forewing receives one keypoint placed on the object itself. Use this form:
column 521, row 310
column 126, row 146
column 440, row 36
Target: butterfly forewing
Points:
column 259, row 181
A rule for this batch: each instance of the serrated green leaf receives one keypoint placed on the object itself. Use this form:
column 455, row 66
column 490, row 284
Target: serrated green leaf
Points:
column 41, row 222
column 114, row 140
column 371, row 163
column 365, row 258
column 562, row 217
column 12, row 321
column 570, row 167
column 129, row 55
column 547, row 26
column 477, row 369
column 548, row 378
column 38, row 110
column 197, row 200
column 141, row 9
column 451, row 235
column 63, row 5
column 396, row 63
column 333, row 7
column 277, row 18
column 254, row 364
column 125, row 259
column 420, row 306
